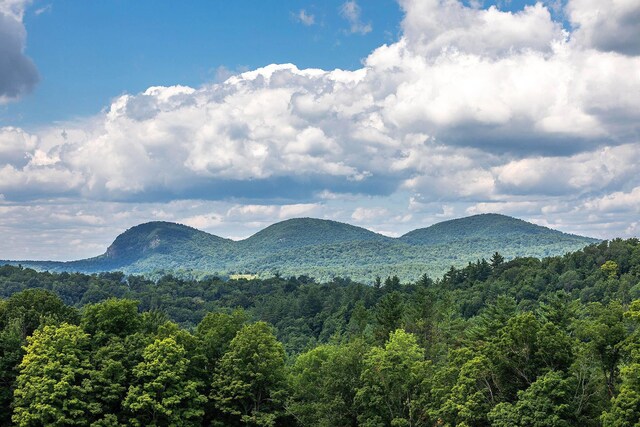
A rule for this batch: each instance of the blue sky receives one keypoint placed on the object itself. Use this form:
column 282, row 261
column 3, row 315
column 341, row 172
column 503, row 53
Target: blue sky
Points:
column 391, row 115
column 89, row 52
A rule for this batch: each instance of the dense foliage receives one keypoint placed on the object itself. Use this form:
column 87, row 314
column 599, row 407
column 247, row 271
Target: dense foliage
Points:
column 526, row 342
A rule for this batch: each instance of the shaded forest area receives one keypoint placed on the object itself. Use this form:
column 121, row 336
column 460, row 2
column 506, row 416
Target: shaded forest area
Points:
column 528, row 342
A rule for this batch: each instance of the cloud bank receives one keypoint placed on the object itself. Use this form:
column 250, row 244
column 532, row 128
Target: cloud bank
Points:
column 471, row 110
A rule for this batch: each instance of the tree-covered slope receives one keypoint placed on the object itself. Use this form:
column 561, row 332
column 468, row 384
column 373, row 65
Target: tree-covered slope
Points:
column 322, row 249
column 153, row 246
column 158, row 239
column 487, row 227
column 300, row 232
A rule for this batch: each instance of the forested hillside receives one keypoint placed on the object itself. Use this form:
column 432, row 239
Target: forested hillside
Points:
column 526, row 342
column 321, row 248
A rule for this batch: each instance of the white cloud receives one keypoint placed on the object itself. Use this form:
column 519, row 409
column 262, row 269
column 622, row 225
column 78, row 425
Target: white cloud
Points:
column 618, row 201
column 581, row 173
column 351, row 11
column 612, row 25
column 433, row 26
column 471, row 122
column 270, row 213
column 297, row 210
column 14, row 8
column 305, row 18
column 43, row 9
column 15, row 144
column 78, row 217
column 506, row 207
column 361, row 214
column 203, row 222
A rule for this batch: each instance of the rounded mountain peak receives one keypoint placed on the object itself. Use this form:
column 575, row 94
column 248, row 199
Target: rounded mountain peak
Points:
column 157, row 236
column 298, row 232
column 482, row 226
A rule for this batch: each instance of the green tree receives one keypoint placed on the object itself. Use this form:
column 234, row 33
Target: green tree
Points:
column 470, row 393
column 604, row 332
column 11, row 353
column 162, row 394
column 625, row 407
column 111, row 318
column 514, row 354
column 389, row 312
column 496, row 260
column 109, row 380
column 52, row 388
column 591, row 394
column 548, row 402
column 216, row 330
column 392, row 284
column 323, row 383
column 391, row 382
column 420, row 313
column 35, row 307
column 554, row 348
column 610, row 268
column 20, row 315
column 492, row 318
column 558, row 309
column 151, row 320
column 250, row 380
column 358, row 320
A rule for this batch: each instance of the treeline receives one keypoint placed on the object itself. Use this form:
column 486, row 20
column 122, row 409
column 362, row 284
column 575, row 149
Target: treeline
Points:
column 528, row 342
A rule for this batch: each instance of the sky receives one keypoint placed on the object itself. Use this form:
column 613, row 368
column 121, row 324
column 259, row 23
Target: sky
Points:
column 390, row 115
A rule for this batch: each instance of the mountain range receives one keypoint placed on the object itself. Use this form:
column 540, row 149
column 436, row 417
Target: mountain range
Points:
column 321, row 248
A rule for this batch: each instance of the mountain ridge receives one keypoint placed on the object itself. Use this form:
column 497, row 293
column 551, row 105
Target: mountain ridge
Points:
column 469, row 228
column 321, row 248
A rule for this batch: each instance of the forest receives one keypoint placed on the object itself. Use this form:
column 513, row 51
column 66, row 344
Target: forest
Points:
column 319, row 248
column 521, row 342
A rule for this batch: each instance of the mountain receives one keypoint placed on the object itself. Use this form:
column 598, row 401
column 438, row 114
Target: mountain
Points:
column 322, row 249
column 489, row 227
column 149, row 247
column 162, row 238
column 299, row 232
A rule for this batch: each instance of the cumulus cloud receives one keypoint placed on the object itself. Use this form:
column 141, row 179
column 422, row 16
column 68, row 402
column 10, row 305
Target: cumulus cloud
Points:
column 451, row 110
column 610, row 26
column 586, row 172
column 433, row 26
column 18, row 74
column 15, row 143
column 368, row 130
column 471, row 110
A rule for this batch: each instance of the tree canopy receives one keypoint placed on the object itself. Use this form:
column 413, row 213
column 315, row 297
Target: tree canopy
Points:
column 526, row 342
